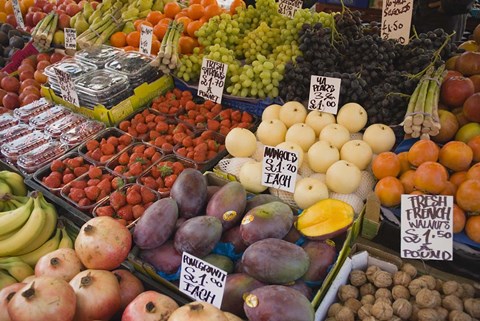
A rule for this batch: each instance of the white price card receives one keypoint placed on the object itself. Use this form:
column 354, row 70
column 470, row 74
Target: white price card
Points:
column 426, row 227
column 212, row 80
column 396, row 20
column 70, row 38
column 67, row 87
column 146, row 39
column 324, row 94
column 18, row 14
column 289, row 7
column 279, row 168
column 201, row 280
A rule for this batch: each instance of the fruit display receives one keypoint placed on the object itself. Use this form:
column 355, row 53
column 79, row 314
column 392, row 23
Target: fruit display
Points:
column 11, row 40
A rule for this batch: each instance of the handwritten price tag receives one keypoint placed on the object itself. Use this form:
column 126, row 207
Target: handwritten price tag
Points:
column 324, row 94
column 70, row 38
column 396, row 20
column 426, row 228
column 67, row 87
column 146, row 39
column 288, row 8
column 201, row 280
column 18, row 14
column 212, row 80
column 279, row 168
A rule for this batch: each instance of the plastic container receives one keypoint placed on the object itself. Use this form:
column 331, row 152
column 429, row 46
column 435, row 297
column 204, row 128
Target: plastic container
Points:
column 22, row 145
column 100, row 85
column 80, row 133
column 48, row 117
column 98, row 55
column 26, row 112
column 64, row 124
column 75, row 68
column 10, row 134
column 33, row 160
column 135, row 66
column 104, row 134
column 7, row 121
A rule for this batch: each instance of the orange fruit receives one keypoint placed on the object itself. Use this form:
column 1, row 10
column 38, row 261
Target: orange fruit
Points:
column 422, row 151
column 212, row 11
column 155, row 47
column 144, row 22
column 165, row 21
column 118, row 39
column 389, row 191
column 185, row 21
column 2, row 6
column 404, row 163
column 467, row 195
column 182, row 13
column 171, row 9
column 407, row 181
column 431, row 177
column 386, row 164
column 415, row 192
column 472, row 228
column 186, row 45
column 8, row 7
column 193, row 27
column 195, row 11
column 458, row 178
column 194, row 2
column 474, row 172
column 133, row 39
column 160, row 30
column 450, row 189
column 474, row 144
column 137, row 22
column 3, row 16
column 459, row 219
column 206, row 3
column 456, row 155
column 28, row 3
column 154, row 17
column 129, row 48
column 236, row 4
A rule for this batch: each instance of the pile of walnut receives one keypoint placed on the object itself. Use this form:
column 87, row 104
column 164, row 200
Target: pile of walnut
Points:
column 376, row 295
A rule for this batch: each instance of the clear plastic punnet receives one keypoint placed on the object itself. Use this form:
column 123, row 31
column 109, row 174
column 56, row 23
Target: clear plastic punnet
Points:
column 10, row 134
column 81, row 132
column 57, row 128
column 26, row 112
column 7, row 121
column 36, row 158
column 24, row 144
column 48, row 117
column 100, row 85
column 98, row 55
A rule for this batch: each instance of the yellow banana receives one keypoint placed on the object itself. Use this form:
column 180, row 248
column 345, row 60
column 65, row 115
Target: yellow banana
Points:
column 48, row 229
column 18, row 269
column 4, row 188
column 27, row 234
column 15, row 181
column 6, row 236
column 10, row 221
column 6, row 279
column 49, row 246
column 66, row 241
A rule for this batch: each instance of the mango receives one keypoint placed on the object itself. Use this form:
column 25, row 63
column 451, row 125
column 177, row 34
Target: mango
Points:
column 260, row 199
column 271, row 220
column 279, row 303
column 220, row 261
column 322, row 255
column 164, row 258
column 190, row 193
column 325, row 219
column 157, row 224
column 293, row 236
column 211, row 190
column 228, row 204
column 275, row 261
column 236, row 286
column 302, row 287
column 198, row 235
column 234, row 237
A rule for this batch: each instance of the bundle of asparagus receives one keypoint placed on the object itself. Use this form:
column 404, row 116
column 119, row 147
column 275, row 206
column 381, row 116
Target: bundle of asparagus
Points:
column 42, row 34
column 167, row 59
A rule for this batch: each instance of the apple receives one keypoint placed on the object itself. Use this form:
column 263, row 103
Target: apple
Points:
column 343, row 177
column 48, row 7
column 271, row 112
column 11, row 20
column 336, row 134
column 301, row 134
column 450, row 63
column 250, row 177
column 240, row 142
column 380, row 137
column 353, row 116
column 451, row 73
column 293, row 147
column 322, row 155
column 29, row 19
column 476, row 34
column 271, row 132
column 94, row 4
column 24, row 75
column 467, row 132
column 318, row 120
column 468, row 63
column 56, row 57
column 11, row 101
column 308, row 191
column 63, row 21
column 455, row 90
column 2, row 93
column 448, row 127
column 72, row 9
column 476, row 82
column 474, row 144
column 37, row 17
column 471, row 108
column 34, row 9
column 10, row 83
column 292, row 112
column 357, row 152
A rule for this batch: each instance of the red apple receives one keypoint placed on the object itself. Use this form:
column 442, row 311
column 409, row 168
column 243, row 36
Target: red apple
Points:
column 10, row 101
column 34, row 9
column 451, row 73
column 48, row 7
column 448, row 127
column 30, row 98
column 468, row 63
column 461, row 118
column 29, row 18
column 11, row 20
column 456, row 90
column 38, row 16
column 72, row 9
column 59, row 12
column 62, row 7
column 10, row 84
column 29, row 82
column 476, row 82
column 94, row 4
column 39, row 3
column 63, row 21
column 2, row 93
column 27, row 74
column 56, row 57
column 3, row 74
column 471, row 107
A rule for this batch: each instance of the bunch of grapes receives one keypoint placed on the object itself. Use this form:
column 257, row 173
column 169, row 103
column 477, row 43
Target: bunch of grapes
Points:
column 220, row 30
column 262, row 40
column 190, row 66
column 284, row 53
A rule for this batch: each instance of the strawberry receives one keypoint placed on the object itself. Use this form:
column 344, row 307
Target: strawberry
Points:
column 147, row 195
column 92, row 192
column 84, row 202
column 105, row 211
column 57, row 166
column 76, row 194
column 105, row 185
column 117, row 182
column 169, row 180
column 79, row 184
column 246, row 117
column 52, row 181
column 133, row 197
column 94, row 172
column 78, row 171
column 117, row 200
column 125, row 212
column 213, row 124
column 236, row 115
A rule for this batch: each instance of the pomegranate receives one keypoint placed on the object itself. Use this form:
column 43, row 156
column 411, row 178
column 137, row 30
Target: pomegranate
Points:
column 130, row 286
column 198, row 311
column 6, row 294
column 63, row 263
column 150, row 306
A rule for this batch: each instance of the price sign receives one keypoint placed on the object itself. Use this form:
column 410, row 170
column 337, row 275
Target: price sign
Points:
column 212, row 80
column 426, row 227
column 396, row 20
column 289, row 7
column 279, row 168
column 146, row 39
column 324, row 94
column 67, row 88
column 18, row 14
column 70, row 38
column 201, row 280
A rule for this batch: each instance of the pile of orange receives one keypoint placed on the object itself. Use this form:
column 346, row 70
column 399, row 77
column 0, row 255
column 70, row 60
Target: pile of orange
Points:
column 452, row 169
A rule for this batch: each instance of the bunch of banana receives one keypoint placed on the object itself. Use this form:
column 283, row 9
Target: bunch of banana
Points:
column 43, row 32
column 12, row 183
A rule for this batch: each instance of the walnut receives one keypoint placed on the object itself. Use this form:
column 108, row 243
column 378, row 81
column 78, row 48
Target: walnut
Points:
column 427, row 315
column 344, row 314
column 333, row 309
column 468, row 291
column 383, row 293
column 346, row 292
column 353, row 304
column 415, row 309
column 370, row 318
column 410, row 269
column 450, row 287
column 383, row 299
column 358, row 278
column 416, row 285
column 439, row 285
column 371, row 271
column 442, row 313
column 456, row 315
column 367, row 288
column 382, row 311
column 452, row 302
column 426, row 298
column 430, row 280
column 382, row 279
column 399, row 291
column 367, row 299
column 364, row 311
column 472, row 307
column 395, row 318
column 401, row 278
column 402, row 308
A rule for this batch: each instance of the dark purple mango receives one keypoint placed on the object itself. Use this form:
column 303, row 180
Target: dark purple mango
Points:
column 234, row 237
column 293, row 235
column 228, row 204
column 236, row 286
column 220, row 261
column 190, row 192
column 211, row 190
column 278, row 303
column 260, row 199
column 322, row 255
column 156, row 225
column 164, row 258
column 303, row 288
column 198, row 235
